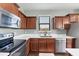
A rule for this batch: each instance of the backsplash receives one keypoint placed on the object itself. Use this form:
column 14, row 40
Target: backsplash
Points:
column 9, row 30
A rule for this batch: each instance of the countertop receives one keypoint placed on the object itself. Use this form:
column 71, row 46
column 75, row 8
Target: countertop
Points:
column 73, row 51
column 4, row 54
column 27, row 36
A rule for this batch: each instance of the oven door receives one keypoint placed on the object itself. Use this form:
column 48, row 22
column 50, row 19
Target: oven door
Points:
column 20, row 51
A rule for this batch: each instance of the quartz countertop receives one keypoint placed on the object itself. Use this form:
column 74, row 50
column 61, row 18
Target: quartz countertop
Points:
column 27, row 36
column 73, row 51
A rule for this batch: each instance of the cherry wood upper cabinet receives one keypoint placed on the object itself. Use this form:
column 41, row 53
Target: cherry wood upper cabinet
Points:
column 31, row 22
column 73, row 17
column 58, row 22
column 66, row 20
column 61, row 22
column 23, row 20
column 11, row 7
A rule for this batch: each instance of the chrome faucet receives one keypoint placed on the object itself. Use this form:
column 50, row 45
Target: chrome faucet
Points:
column 45, row 33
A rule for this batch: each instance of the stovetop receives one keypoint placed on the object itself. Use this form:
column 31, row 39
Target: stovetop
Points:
column 12, row 46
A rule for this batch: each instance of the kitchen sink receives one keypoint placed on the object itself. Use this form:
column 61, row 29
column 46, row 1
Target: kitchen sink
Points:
column 45, row 36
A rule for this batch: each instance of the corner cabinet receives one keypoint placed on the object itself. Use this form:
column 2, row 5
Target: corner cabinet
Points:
column 31, row 22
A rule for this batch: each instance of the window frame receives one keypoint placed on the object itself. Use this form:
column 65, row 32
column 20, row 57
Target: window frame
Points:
column 44, row 23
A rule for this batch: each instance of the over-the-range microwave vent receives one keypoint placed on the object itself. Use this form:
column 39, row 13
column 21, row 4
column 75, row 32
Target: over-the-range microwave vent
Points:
column 8, row 19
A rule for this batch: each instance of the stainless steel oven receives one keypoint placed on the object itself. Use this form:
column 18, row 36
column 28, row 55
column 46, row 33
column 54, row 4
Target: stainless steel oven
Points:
column 12, row 46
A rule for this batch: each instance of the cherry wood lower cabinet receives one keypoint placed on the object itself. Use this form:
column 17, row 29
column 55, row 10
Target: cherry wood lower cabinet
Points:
column 51, row 45
column 33, row 44
column 70, row 42
column 42, row 45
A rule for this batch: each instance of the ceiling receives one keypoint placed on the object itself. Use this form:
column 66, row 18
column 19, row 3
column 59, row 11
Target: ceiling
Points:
column 48, row 6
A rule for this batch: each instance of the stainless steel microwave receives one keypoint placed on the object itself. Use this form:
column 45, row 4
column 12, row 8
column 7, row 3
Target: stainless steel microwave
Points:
column 8, row 19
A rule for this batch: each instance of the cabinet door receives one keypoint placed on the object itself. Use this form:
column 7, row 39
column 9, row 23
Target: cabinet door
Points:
column 23, row 23
column 34, row 44
column 73, row 18
column 28, row 25
column 70, row 43
column 31, row 22
column 42, row 45
column 58, row 22
column 51, row 45
column 66, row 20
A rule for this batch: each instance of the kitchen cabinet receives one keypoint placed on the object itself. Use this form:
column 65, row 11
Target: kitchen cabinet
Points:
column 34, row 44
column 47, row 45
column 61, row 22
column 42, row 45
column 58, row 22
column 66, row 20
column 23, row 20
column 51, row 45
column 70, row 42
column 73, row 17
column 31, row 22
column 11, row 7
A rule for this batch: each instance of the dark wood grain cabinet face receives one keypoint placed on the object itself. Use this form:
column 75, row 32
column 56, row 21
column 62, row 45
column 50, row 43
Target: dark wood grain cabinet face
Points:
column 58, row 22
column 70, row 43
column 73, row 18
column 34, row 44
column 42, row 45
column 31, row 23
column 51, row 45
column 23, row 20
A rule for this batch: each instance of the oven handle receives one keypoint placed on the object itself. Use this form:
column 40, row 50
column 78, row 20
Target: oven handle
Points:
column 17, row 49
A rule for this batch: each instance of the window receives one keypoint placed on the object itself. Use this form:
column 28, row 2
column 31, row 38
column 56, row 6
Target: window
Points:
column 44, row 23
